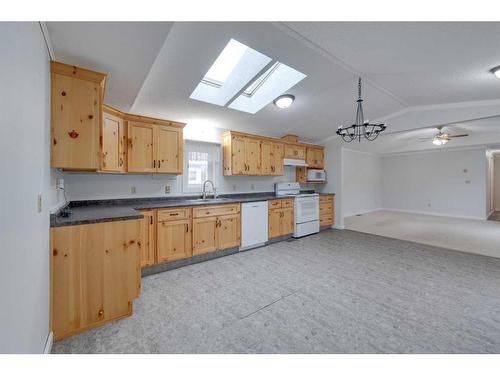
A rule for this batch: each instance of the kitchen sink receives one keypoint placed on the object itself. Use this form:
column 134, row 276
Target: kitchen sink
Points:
column 210, row 200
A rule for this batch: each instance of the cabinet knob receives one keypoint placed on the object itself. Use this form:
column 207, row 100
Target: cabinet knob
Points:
column 101, row 312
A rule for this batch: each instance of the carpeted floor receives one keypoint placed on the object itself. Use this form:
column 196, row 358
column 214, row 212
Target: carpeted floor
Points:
column 469, row 235
column 335, row 292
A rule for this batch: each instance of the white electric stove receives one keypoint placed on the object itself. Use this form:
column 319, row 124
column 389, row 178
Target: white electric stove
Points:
column 305, row 209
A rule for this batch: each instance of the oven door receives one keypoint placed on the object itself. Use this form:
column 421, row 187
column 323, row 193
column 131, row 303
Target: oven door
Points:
column 306, row 209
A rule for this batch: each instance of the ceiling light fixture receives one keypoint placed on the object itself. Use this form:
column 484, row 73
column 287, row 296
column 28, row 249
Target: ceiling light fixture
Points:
column 284, row 101
column 496, row 71
column 360, row 127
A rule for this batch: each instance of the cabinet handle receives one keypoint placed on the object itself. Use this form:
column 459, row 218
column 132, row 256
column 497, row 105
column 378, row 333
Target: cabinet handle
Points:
column 158, row 163
column 151, row 220
column 187, row 228
column 121, row 162
column 175, row 214
column 101, row 312
column 154, row 163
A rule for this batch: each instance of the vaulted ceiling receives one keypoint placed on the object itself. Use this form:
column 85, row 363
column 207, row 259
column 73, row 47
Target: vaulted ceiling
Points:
column 416, row 75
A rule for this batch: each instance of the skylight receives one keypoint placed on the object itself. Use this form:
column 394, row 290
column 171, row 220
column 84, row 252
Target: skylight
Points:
column 230, row 73
column 244, row 79
column 226, row 62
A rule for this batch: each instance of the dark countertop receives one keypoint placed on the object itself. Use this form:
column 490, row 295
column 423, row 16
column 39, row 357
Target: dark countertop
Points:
column 96, row 211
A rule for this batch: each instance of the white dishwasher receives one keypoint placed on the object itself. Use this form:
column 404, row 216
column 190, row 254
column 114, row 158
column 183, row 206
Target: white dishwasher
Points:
column 253, row 225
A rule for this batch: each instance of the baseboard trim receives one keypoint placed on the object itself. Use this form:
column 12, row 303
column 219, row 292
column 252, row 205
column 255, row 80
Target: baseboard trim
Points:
column 364, row 212
column 335, row 226
column 433, row 214
column 48, row 343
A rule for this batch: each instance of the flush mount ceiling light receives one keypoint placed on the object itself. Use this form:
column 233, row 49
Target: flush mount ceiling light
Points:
column 244, row 79
column 496, row 71
column 284, row 101
column 360, row 128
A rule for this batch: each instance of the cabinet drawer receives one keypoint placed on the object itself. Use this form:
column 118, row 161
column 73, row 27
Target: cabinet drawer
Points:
column 325, row 220
column 286, row 203
column 325, row 209
column 275, row 203
column 206, row 211
column 325, row 198
column 174, row 214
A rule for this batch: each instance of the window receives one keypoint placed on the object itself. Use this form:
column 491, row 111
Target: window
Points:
column 202, row 162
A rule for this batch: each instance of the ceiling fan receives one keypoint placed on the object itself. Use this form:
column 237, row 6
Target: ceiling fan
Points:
column 442, row 138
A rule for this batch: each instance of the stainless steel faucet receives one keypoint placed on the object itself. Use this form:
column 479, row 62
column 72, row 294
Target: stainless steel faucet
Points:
column 213, row 189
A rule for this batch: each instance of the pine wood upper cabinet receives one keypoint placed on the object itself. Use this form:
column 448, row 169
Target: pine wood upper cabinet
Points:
column 315, row 158
column 113, row 141
column 242, row 155
column 154, row 148
column 95, row 274
column 76, row 99
column 271, row 158
column 168, row 150
column 148, row 241
column 295, row 151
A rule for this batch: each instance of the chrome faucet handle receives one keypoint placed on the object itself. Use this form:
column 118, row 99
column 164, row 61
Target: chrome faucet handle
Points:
column 215, row 193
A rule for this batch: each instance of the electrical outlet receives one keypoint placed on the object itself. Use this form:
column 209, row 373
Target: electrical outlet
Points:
column 39, row 203
column 167, row 189
column 234, row 187
column 467, row 181
column 60, row 183
column 133, row 190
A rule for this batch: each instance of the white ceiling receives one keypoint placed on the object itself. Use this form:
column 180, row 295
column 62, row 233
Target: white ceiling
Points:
column 153, row 68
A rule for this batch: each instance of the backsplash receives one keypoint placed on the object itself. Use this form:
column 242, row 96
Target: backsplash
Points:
column 82, row 186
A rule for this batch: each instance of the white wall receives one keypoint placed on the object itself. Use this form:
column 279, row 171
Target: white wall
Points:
column 496, row 183
column 24, row 158
column 333, row 167
column 448, row 182
column 361, row 182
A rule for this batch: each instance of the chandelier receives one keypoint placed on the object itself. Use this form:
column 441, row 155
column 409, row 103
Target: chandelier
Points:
column 360, row 128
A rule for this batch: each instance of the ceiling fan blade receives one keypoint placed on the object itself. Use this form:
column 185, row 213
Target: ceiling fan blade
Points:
column 457, row 135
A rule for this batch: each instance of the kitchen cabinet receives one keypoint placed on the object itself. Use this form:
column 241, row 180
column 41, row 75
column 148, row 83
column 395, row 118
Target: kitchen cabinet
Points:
column 326, row 210
column 295, row 151
column 148, row 242
column 271, row 158
column 314, row 158
column 113, row 141
column 215, row 228
column 76, row 99
column 154, row 147
column 174, row 234
column 95, row 274
column 280, row 217
column 242, row 155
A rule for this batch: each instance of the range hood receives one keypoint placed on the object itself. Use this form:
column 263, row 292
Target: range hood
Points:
column 295, row 162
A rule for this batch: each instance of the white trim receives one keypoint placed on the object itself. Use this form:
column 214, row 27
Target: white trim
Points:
column 365, row 212
column 45, row 34
column 434, row 214
column 361, row 152
column 335, row 226
column 48, row 343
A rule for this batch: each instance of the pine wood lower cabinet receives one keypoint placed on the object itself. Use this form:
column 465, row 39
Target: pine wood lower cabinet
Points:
column 326, row 210
column 213, row 230
column 174, row 240
column 148, row 242
column 280, row 217
column 95, row 274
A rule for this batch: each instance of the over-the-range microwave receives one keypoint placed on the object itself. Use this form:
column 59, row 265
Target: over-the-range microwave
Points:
column 316, row 175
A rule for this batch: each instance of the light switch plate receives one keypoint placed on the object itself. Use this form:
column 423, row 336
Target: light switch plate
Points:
column 133, row 190
column 39, row 203
column 167, row 189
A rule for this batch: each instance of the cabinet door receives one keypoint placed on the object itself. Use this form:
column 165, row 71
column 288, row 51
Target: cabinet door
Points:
column 277, row 159
column 238, row 156
column 113, row 152
column 148, row 242
column 174, row 240
column 75, row 122
column 252, row 156
column 228, row 231
column 274, row 220
column 140, row 147
column 122, row 270
column 266, row 158
column 286, row 221
column 204, row 235
column 315, row 158
column 168, row 148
